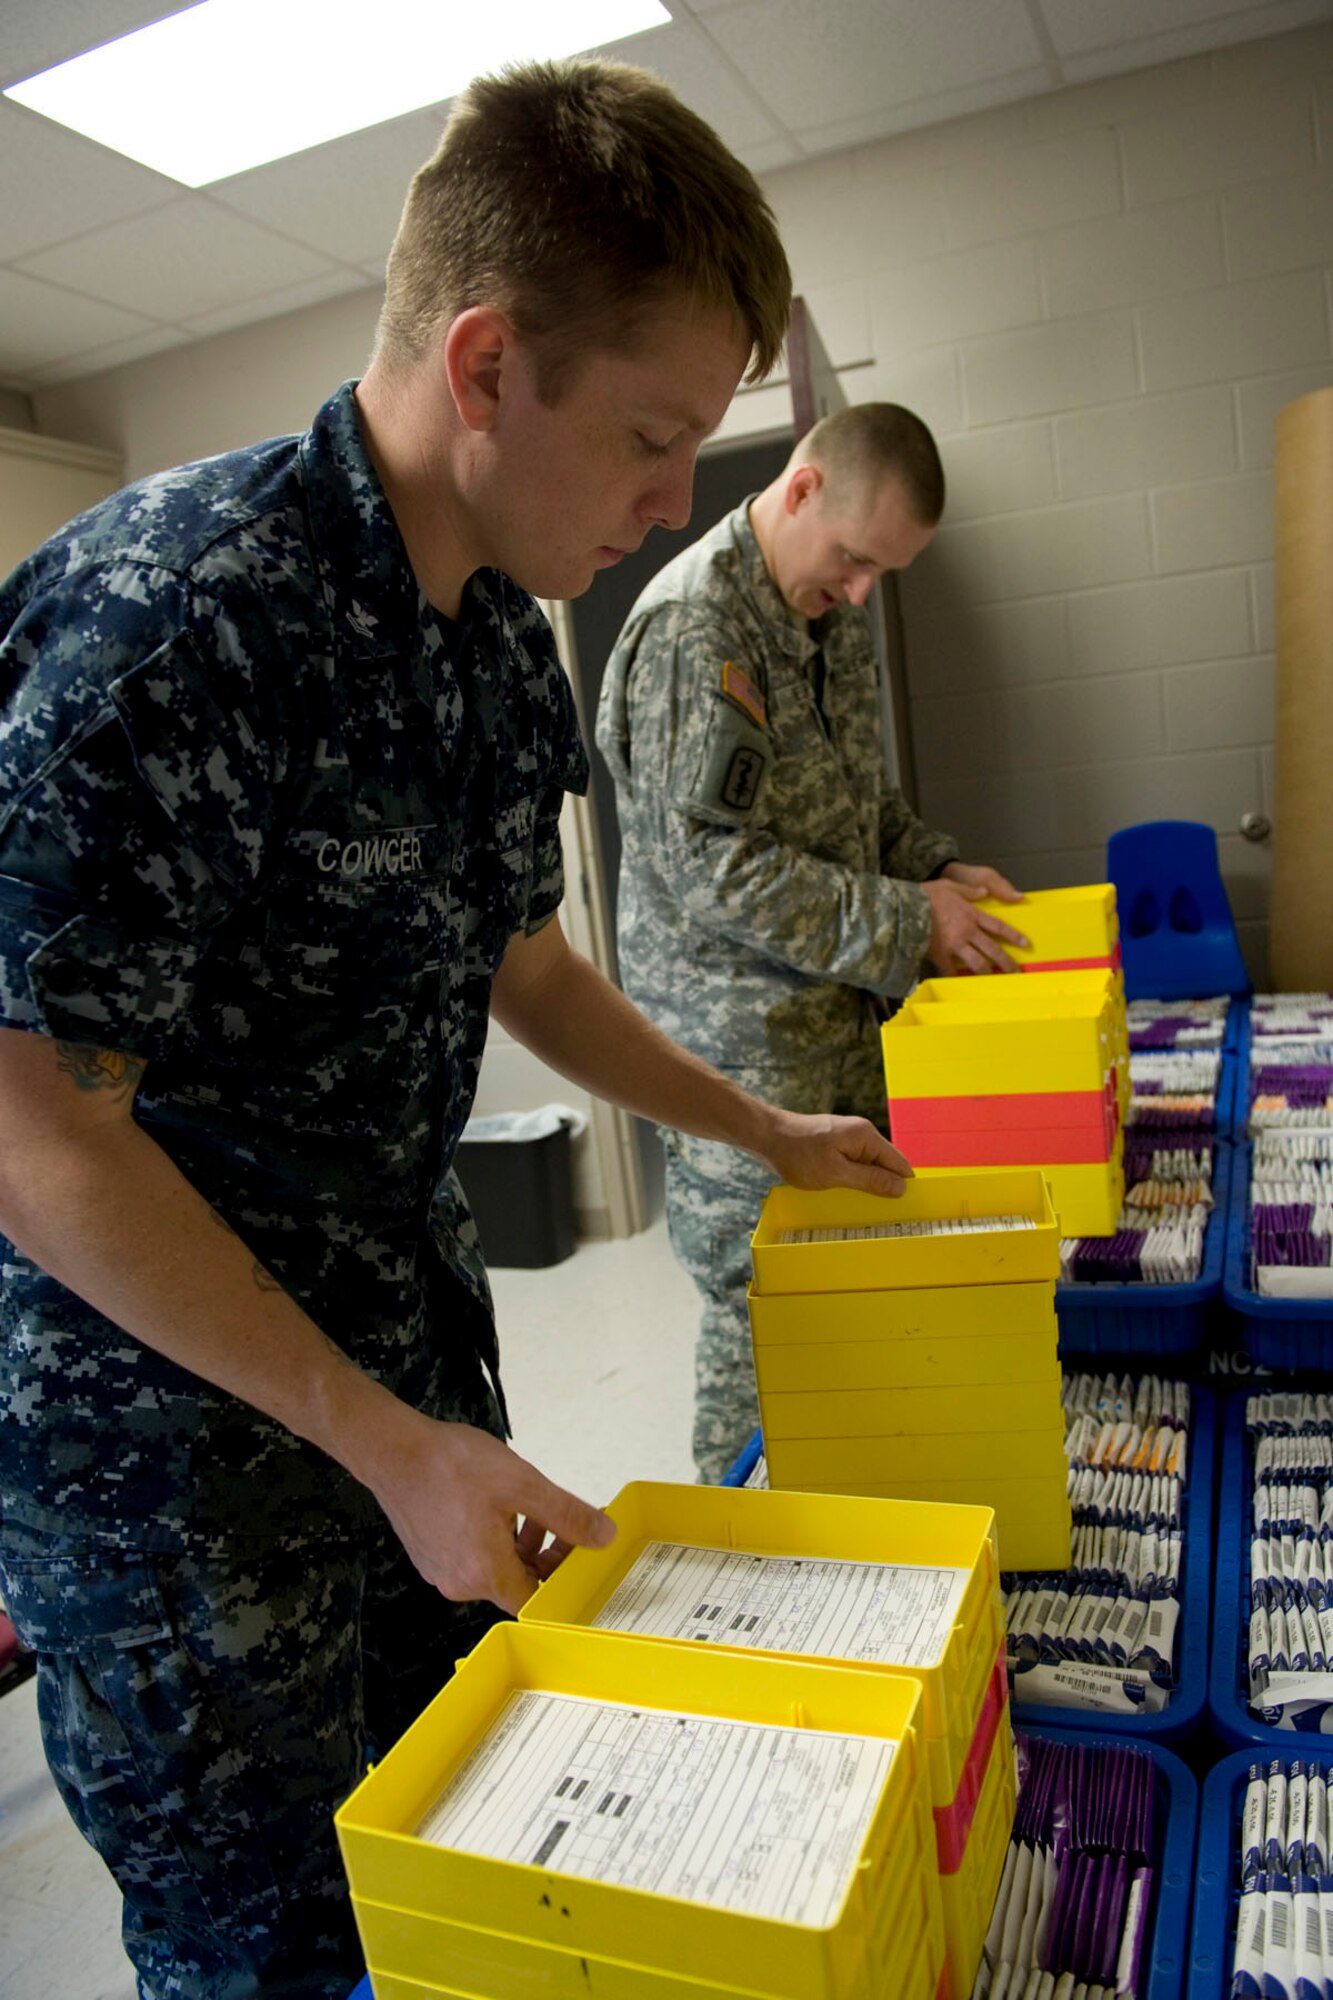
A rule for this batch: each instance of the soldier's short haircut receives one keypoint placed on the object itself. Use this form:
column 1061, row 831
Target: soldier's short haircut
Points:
column 576, row 197
column 858, row 449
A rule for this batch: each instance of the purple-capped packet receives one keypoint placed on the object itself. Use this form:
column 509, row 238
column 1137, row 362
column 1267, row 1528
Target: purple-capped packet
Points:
column 1134, row 1934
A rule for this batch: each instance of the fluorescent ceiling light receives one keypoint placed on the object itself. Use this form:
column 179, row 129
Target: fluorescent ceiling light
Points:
column 230, row 84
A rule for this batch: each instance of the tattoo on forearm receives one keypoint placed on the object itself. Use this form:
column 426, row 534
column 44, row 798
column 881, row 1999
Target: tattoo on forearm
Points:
column 100, row 1069
column 264, row 1280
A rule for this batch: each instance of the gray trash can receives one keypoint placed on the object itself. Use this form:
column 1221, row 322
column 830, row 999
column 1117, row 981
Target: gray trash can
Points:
column 516, row 1172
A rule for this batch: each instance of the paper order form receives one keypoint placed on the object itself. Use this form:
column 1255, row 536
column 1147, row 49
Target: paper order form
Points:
column 897, row 1614
column 763, row 1820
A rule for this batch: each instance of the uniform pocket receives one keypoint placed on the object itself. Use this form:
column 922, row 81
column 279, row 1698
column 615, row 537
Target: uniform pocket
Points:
column 73, row 1603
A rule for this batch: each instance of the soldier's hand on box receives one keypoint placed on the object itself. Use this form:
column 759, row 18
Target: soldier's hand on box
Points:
column 828, row 1151
column 453, row 1497
column 963, row 938
column 977, row 881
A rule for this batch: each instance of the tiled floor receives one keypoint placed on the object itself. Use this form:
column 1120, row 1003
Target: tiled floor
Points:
column 598, row 1372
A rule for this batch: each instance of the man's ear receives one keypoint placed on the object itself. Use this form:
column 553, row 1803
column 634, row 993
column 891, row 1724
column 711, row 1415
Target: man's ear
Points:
column 479, row 349
column 802, row 486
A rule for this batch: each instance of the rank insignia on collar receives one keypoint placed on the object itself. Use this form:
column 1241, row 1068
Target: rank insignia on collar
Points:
column 738, row 687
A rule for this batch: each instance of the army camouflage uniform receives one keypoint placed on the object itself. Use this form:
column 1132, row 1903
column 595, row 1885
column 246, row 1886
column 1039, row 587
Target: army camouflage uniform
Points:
column 267, row 822
column 768, row 890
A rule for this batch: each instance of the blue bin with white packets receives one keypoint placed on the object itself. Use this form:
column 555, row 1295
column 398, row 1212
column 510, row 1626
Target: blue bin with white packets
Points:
column 1217, row 1891
column 1228, row 1674
column 1288, row 1334
column 1175, row 1839
column 1183, row 1714
column 1162, row 1322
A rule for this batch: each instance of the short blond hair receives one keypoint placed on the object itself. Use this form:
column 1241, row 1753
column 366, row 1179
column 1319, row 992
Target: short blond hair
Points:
column 858, row 449
column 575, row 197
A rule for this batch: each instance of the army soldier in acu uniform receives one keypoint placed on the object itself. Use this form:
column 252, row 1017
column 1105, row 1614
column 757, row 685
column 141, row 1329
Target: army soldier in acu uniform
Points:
column 773, row 884
column 284, row 747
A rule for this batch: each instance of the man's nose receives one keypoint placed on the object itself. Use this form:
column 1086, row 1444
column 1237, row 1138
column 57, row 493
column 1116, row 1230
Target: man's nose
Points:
column 857, row 589
column 669, row 503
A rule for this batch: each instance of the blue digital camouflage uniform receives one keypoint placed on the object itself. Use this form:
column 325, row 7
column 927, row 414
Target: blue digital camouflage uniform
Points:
column 768, row 889
column 267, row 822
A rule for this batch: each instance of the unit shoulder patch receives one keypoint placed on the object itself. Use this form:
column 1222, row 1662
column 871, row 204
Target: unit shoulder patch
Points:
column 738, row 687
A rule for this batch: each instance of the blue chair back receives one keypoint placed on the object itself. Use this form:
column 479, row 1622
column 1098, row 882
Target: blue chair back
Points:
column 1177, row 936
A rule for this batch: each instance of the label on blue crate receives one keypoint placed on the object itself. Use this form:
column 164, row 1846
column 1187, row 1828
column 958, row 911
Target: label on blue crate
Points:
column 900, row 1614
column 763, row 1821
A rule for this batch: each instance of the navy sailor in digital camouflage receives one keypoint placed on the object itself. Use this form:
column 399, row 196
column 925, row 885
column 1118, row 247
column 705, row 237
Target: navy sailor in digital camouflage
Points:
column 776, row 890
column 283, row 745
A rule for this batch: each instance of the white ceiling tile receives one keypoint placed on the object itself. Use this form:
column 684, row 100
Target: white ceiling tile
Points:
column 708, row 78
column 770, row 155
column 1080, row 26
column 58, row 184
column 41, row 323
column 189, row 258
column 114, row 354
column 291, row 298
column 820, row 66
column 911, row 117
column 40, row 33
column 344, row 198
column 1119, row 58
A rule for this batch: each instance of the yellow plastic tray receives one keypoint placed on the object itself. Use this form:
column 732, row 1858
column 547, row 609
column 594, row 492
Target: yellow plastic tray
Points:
column 933, row 1049
column 488, row 1965
column 1033, row 1525
column 993, row 998
column 544, row 1913
column 989, row 994
column 838, row 1529
column 933, row 1316
column 932, row 1412
column 1060, row 923
column 1039, row 993
column 785, row 1366
column 1011, row 1256
column 1085, row 1199
column 806, row 1463
column 969, row 1893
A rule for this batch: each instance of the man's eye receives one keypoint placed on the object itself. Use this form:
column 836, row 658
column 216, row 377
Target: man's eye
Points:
column 653, row 449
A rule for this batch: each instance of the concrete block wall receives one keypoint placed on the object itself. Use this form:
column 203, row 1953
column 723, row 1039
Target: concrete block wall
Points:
column 1098, row 300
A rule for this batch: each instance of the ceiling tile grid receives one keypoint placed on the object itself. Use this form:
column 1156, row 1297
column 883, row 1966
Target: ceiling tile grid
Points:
column 102, row 261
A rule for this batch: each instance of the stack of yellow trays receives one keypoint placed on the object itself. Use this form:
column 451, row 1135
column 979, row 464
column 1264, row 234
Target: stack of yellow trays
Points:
column 1010, row 1072
column 917, row 1367
column 504, row 1845
column 883, row 1586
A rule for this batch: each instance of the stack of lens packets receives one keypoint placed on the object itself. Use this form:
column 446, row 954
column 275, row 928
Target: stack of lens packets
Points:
column 1024, row 1072
column 1102, row 1634
column 1176, row 1071
column 906, row 1349
column 758, row 1746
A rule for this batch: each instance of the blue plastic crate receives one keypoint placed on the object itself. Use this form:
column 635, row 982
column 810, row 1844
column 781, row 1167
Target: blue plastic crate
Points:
column 1288, row 1334
column 1228, row 1681
column 1176, row 1825
column 1213, row 1932
column 1160, row 1321
column 744, row 1462
column 1181, row 1717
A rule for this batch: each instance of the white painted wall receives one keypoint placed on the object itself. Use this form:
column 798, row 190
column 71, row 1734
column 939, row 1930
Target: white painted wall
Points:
column 44, row 482
column 1098, row 300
